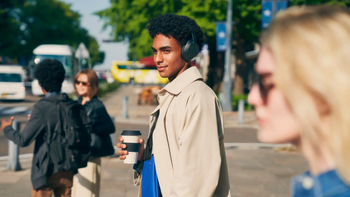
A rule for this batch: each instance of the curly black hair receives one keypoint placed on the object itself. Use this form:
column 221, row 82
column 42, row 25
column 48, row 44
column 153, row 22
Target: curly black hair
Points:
column 176, row 26
column 50, row 73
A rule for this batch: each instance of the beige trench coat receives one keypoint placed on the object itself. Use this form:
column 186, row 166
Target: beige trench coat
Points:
column 188, row 142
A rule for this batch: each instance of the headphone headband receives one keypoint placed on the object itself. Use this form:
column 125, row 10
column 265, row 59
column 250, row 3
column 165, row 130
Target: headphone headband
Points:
column 191, row 48
column 194, row 38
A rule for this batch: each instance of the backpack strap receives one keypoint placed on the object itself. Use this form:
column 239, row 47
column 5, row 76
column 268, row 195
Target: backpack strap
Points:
column 56, row 101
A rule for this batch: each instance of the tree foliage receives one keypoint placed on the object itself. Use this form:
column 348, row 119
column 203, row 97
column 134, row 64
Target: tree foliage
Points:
column 129, row 19
column 36, row 22
column 10, row 27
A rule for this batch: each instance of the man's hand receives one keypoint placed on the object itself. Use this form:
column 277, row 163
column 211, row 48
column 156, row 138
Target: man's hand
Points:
column 122, row 153
column 29, row 116
column 5, row 123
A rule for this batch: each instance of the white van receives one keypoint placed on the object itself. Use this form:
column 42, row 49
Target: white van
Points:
column 12, row 82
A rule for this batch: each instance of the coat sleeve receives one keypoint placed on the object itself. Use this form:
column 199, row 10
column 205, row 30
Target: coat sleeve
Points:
column 197, row 166
column 30, row 132
column 102, row 123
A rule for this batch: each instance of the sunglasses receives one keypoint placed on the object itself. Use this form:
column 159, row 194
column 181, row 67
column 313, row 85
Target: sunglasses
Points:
column 263, row 89
column 81, row 82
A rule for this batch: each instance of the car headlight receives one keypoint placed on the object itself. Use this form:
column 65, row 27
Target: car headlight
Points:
column 23, row 88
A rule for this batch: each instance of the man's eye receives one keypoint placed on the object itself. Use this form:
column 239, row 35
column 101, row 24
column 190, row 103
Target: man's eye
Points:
column 166, row 51
column 155, row 52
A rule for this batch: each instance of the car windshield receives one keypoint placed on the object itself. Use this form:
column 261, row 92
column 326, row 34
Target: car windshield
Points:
column 10, row 77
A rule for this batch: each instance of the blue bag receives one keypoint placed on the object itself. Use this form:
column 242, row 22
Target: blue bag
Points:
column 150, row 185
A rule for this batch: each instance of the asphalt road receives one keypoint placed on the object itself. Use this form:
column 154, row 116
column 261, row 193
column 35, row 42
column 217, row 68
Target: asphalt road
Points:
column 241, row 135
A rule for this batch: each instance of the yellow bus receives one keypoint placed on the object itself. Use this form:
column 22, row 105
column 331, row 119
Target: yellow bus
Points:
column 135, row 72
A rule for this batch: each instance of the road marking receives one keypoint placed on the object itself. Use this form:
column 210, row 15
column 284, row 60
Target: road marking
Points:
column 4, row 111
column 255, row 145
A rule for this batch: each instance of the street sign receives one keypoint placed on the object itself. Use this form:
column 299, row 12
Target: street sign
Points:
column 82, row 52
column 269, row 8
column 281, row 5
column 221, row 41
column 267, row 13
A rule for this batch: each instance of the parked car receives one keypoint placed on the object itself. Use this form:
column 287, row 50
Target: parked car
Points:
column 12, row 85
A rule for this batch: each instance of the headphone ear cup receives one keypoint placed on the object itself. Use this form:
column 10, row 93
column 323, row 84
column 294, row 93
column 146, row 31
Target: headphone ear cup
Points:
column 189, row 51
column 184, row 51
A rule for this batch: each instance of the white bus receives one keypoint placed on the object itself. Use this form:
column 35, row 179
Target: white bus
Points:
column 62, row 53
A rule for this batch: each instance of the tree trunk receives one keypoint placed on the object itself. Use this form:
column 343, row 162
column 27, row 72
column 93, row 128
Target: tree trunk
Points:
column 238, row 85
column 215, row 73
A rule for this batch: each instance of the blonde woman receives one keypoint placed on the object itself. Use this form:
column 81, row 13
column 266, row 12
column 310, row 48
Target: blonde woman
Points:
column 87, row 182
column 303, row 93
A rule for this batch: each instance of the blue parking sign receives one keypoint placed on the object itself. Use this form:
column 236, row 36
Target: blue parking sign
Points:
column 269, row 8
column 281, row 5
column 221, row 43
column 266, row 15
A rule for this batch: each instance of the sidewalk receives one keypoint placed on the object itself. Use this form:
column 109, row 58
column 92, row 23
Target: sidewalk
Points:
column 254, row 171
column 139, row 114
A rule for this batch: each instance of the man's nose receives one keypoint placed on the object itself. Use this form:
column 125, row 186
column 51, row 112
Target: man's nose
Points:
column 158, row 58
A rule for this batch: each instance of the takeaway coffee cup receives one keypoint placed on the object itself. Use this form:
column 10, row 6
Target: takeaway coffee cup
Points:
column 131, row 140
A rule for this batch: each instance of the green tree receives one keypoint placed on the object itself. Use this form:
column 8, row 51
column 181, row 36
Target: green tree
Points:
column 97, row 57
column 10, row 34
column 27, row 24
column 129, row 19
column 54, row 22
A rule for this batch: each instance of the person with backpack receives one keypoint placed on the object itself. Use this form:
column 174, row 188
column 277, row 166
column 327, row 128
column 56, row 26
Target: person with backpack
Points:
column 87, row 181
column 57, row 153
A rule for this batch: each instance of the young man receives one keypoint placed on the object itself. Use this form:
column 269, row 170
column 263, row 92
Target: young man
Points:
column 186, row 127
column 46, row 177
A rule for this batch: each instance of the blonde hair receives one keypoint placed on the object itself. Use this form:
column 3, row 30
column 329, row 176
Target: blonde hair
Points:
column 311, row 49
column 93, row 81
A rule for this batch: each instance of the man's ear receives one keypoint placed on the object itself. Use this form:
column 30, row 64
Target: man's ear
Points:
column 44, row 91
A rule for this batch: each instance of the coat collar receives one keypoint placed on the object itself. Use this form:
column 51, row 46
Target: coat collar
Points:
column 80, row 99
column 178, row 84
column 182, row 81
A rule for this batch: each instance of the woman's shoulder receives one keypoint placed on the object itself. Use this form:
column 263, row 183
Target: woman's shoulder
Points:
column 330, row 182
column 97, row 102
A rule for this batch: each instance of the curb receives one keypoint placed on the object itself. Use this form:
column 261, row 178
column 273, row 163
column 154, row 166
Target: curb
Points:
column 245, row 146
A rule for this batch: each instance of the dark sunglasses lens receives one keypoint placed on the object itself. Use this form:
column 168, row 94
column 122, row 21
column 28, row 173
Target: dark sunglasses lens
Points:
column 262, row 89
column 83, row 83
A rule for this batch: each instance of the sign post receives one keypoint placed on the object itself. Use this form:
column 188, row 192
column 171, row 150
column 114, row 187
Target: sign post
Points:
column 82, row 53
column 226, row 97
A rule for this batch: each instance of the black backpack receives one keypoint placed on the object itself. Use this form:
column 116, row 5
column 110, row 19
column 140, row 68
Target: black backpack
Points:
column 70, row 145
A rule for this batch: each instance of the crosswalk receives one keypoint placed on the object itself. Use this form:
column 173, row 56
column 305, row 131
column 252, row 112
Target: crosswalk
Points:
column 9, row 111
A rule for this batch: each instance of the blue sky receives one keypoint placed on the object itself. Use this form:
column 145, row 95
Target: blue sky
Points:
column 114, row 51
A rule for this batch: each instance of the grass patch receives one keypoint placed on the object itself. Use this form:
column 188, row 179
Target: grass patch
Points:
column 106, row 87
